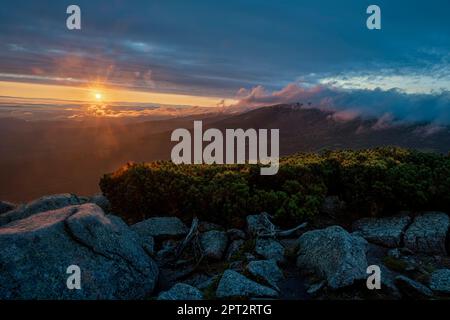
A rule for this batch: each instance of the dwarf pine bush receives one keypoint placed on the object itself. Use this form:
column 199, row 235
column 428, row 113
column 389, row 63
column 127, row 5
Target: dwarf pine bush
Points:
column 372, row 182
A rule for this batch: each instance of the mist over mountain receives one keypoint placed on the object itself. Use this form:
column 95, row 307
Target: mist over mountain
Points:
column 305, row 128
column 46, row 157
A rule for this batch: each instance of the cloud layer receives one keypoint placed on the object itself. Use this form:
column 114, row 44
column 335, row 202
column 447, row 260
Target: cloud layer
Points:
column 386, row 105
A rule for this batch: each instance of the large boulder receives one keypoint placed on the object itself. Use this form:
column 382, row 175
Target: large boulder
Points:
column 235, row 285
column 35, row 254
column 181, row 291
column 6, row 206
column 427, row 234
column 440, row 281
column 161, row 228
column 214, row 243
column 386, row 232
column 270, row 249
column 266, row 271
column 334, row 254
column 43, row 204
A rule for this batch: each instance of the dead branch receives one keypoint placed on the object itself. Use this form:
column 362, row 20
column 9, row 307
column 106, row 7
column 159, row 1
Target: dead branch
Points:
column 288, row 233
column 273, row 233
column 193, row 232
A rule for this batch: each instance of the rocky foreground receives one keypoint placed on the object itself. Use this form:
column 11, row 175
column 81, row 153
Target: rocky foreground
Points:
column 163, row 258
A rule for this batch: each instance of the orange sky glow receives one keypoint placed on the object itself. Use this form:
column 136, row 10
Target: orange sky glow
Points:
column 97, row 92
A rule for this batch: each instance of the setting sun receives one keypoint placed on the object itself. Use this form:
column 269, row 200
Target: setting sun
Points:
column 98, row 96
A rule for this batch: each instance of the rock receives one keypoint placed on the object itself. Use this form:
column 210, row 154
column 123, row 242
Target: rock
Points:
column 35, row 253
column 412, row 289
column 83, row 199
column 101, row 201
column 249, row 257
column 214, row 280
column 334, row 254
column 375, row 253
column 161, row 228
column 238, row 266
column 214, row 244
column 234, row 249
column 235, row 234
column 235, row 285
column 170, row 274
column 266, row 271
column 166, row 252
column 43, row 204
column 270, row 250
column 202, row 281
column 181, row 291
column 427, row 234
column 259, row 223
column 290, row 245
column 316, row 288
column 332, row 206
column 395, row 253
column 383, row 231
column 6, row 206
column 204, row 226
column 148, row 244
column 440, row 281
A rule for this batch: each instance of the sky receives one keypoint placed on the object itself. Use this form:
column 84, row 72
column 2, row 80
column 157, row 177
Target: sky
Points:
column 234, row 52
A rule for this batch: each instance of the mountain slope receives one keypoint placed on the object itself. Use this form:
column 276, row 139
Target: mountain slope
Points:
column 306, row 129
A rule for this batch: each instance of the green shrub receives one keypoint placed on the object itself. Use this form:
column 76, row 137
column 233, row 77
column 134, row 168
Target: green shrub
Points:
column 372, row 182
column 395, row 264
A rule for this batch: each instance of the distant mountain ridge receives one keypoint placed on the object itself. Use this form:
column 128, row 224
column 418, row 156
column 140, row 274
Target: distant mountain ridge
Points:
column 310, row 129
